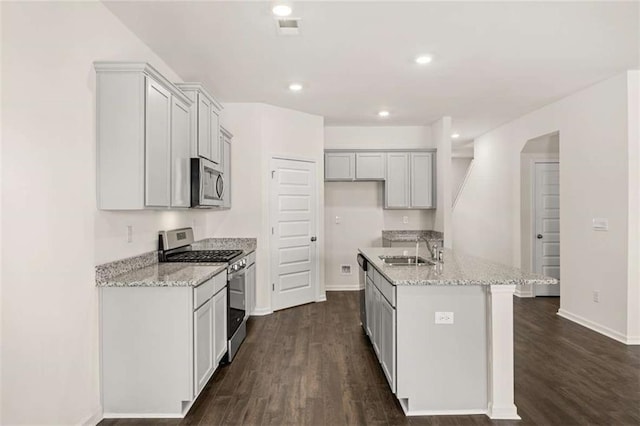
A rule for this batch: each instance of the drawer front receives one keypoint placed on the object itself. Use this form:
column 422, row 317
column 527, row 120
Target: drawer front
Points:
column 207, row 289
column 203, row 292
column 219, row 282
column 387, row 289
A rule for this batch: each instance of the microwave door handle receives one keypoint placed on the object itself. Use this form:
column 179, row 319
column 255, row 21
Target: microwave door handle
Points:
column 220, row 186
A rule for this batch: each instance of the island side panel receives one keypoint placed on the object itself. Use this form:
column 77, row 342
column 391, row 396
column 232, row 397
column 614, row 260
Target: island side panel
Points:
column 442, row 369
column 500, row 341
column 146, row 345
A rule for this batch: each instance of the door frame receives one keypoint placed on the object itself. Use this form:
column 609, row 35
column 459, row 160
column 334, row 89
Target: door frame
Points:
column 319, row 297
column 533, row 163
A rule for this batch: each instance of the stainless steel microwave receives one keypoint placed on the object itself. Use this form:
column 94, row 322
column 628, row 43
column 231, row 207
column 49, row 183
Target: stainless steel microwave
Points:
column 207, row 184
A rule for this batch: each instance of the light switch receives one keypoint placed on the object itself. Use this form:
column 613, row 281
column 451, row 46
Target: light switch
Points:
column 405, row 219
column 600, row 224
column 444, row 318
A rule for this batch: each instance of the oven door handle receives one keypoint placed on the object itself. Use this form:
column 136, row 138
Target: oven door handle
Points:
column 236, row 274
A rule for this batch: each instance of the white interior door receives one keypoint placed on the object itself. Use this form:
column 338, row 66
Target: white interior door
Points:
column 546, row 258
column 293, row 227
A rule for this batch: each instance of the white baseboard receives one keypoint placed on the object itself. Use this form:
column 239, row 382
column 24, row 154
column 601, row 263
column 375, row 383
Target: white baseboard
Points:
column 343, row 287
column 143, row 416
column 322, row 298
column 94, row 418
column 509, row 412
column 403, row 404
column 599, row 328
column 260, row 312
column 523, row 293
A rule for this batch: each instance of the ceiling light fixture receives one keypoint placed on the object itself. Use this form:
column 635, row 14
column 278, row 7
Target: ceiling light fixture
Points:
column 295, row 87
column 423, row 59
column 282, row 10
column 455, row 136
column 383, row 114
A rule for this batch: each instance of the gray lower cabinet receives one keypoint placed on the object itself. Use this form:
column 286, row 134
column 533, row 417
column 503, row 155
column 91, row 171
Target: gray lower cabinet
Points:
column 143, row 138
column 381, row 323
column 160, row 346
column 251, row 284
column 203, row 335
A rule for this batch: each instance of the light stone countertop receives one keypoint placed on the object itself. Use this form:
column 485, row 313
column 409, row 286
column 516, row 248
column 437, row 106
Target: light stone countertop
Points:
column 457, row 269
column 166, row 275
column 410, row 235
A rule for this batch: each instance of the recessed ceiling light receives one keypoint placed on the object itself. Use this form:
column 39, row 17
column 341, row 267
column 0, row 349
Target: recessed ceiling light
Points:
column 282, row 10
column 383, row 114
column 295, row 87
column 423, row 59
column 455, row 136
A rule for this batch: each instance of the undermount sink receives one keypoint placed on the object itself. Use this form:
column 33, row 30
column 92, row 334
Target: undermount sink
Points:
column 405, row 261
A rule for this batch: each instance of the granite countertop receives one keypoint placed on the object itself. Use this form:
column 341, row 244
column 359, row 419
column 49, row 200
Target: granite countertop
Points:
column 457, row 269
column 411, row 235
column 166, row 275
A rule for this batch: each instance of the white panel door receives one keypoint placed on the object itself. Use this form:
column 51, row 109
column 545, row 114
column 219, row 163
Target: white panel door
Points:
column 293, row 227
column 157, row 145
column 180, row 155
column 546, row 259
column 396, row 187
column 421, row 180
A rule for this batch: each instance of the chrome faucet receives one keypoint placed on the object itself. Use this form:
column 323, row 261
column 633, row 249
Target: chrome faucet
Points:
column 433, row 249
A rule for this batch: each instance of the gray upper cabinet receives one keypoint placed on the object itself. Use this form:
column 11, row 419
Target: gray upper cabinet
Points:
column 370, row 165
column 422, row 180
column 142, row 141
column 409, row 183
column 205, row 123
column 396, row 191
column 225, row 138
column 339, row 166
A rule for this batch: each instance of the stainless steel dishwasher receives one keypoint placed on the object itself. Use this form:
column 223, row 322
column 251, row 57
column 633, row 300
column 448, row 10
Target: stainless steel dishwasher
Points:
column 362, row 275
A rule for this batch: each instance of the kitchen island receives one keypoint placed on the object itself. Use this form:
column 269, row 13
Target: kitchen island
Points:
column 443, row 332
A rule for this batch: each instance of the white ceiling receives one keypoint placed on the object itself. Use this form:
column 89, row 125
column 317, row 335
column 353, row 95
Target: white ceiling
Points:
column 493, row 61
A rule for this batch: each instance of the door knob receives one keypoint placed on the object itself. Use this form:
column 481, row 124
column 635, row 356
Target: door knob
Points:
column 313, row 238
column 539, row 236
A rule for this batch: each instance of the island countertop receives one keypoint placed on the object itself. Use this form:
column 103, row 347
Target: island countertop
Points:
column 457, row 269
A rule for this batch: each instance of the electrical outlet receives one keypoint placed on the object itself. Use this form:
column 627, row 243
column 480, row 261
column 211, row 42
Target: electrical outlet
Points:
column 338, row 220
column 405, row 219
column 129, row 233
column 596, row 296
column 444, row 317
column 345, row 269
column 600, row 224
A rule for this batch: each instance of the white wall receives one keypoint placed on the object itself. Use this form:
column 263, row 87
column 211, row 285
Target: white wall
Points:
column 56, row 236
column 441, row 131
column 377, row 137
column 633, row 299
column 459, row 168
column 359, row 204
column 52, row 233
column 260, row 132
column 594, row 182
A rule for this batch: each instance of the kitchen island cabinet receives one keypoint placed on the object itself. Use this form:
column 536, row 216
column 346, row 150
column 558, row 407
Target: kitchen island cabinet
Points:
column 443, row 333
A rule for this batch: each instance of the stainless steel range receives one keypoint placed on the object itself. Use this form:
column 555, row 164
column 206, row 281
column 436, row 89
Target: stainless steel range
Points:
column 176, row 246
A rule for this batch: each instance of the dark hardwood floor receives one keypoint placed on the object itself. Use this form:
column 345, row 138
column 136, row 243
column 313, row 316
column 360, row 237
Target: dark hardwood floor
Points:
column 312, row 365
